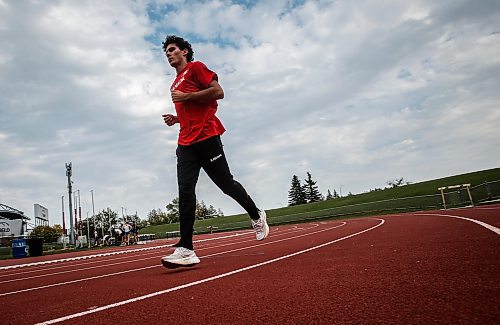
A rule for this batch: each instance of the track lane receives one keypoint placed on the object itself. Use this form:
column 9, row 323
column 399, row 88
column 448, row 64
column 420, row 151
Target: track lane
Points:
column 384, row 276
column 101, row 287
column 107, row 263
column 226, row 267
column 114, row 269
column 115, row 253
column 414, row 270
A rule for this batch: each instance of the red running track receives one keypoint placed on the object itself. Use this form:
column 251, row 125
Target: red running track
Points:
column 419, row 268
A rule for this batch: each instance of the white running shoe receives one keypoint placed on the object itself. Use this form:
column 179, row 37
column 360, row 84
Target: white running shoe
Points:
column 180, row 257
column 260, row 226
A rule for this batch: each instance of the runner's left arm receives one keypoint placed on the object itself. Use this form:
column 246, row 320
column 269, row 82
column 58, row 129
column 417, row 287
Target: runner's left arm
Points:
column 212, row 92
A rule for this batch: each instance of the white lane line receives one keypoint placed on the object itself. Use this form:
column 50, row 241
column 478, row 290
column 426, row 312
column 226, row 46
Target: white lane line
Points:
column 481, row 223
column 216, row 277
column 79, row 280
column 139, row 269
column 143, row 259
column 17, row 272
column 487, row 208
column 80, row 269
column 84, row 263
column 80, row 257
column 275, row 241
column 10, row 267
column 111, row 253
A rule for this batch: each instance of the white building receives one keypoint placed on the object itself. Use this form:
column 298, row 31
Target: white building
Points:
column 12, row 222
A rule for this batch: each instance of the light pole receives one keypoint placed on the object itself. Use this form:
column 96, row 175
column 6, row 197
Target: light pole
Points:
column 80, row 212
column 341, row 190
column 75, row 202
column 93, row 214
column 88, row 230
column 123, row 216
column 64, row 223
column 109, row 219
column 71, row 228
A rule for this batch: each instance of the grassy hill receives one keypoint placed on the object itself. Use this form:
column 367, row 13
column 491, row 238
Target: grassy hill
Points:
column 386, row 201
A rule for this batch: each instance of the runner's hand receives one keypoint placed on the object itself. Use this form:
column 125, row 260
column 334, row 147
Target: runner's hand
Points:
column 179, row 96
column 170, row 119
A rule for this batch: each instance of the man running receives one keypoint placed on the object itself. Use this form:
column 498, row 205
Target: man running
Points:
column 195, row 92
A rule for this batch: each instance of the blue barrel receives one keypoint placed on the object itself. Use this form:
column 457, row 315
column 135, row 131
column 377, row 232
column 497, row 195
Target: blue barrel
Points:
column 18, row 248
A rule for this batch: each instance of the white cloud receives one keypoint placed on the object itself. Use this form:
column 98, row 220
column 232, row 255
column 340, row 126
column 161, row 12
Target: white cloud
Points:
column 354, row 92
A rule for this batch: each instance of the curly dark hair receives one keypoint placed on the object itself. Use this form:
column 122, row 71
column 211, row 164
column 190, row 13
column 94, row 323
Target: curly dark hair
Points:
column 181, row 43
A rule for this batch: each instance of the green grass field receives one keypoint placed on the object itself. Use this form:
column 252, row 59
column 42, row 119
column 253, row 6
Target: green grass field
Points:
column 354, row 205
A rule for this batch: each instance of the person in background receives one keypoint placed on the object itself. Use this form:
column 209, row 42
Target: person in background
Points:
column 118, row 234
column 135, row 232
column 126, row 233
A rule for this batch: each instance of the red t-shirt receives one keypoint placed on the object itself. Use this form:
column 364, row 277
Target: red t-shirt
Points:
column 197, row 119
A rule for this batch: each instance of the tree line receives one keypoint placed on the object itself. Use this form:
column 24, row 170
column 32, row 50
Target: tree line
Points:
column 104, row 220
column 171, row 215
column 299, row 193
column 307, row 192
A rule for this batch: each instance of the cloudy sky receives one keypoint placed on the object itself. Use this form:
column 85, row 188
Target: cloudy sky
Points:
column 355, row 92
